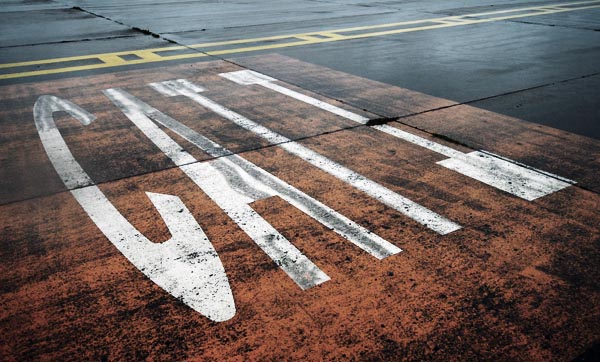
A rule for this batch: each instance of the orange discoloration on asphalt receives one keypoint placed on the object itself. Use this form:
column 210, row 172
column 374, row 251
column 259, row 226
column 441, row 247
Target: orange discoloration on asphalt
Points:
column 566, row 154
column 519, row 281
column 113, row 148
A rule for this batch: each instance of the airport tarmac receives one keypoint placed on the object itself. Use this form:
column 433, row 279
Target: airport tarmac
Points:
column 306, row 181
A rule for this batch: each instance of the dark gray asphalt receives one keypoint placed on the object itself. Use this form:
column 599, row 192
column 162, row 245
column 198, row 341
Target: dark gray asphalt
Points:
column 542, row 69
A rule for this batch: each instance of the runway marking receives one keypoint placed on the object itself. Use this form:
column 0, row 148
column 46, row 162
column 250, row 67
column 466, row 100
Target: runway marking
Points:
column 247, row 179
column 504, row 174
column 400, row 203
column 249, row 77
column 233, row 183
column 186, row 266
column 116, row 59
column 234, row 203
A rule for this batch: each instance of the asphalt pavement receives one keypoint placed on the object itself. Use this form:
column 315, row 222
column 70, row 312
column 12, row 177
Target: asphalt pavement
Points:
column 299, row 180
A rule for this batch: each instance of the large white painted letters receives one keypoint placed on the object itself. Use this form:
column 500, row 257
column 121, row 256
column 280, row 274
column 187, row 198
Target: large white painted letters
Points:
column 187, row 266
column 411, row 209
column 507, row 175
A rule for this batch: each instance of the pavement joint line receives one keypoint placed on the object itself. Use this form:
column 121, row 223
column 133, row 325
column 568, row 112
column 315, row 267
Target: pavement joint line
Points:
column 208, row 159
column 524, row 89
column 241, row 153
column 572, row 27
column 70, row 41
column 111, row 60
column 387, row 120
column 469, row 102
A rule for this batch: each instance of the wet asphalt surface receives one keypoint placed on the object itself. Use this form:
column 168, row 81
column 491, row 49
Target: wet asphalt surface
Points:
column 542, row 69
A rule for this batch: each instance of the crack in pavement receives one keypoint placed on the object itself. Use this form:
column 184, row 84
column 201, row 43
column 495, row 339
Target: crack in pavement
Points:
column 372, row 122
column 134, row 28
column 147, row 32
column 380, row 120
column 68, row 41
column 552, row 25
column 530, row 88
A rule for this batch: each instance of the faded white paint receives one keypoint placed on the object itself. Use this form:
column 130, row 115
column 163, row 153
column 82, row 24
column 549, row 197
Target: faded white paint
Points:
column 504, row 174
column 507, row 175
column 250, row 180
column 528, row 184
column 58, row 152
column 249, row 77
column 186, row 266
column 400, row 203
column 420, row 141
column 233, row 200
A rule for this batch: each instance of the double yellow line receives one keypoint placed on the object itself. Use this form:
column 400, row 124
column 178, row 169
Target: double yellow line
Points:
column 107, row 60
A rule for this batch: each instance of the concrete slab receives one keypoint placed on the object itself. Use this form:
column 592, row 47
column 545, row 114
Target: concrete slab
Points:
column 516, row 271
column 308, row 212
column 548, row 105
column 159, row 18
column 112, row 148
column 476, row 128
column 463, row 64
column 55, row 26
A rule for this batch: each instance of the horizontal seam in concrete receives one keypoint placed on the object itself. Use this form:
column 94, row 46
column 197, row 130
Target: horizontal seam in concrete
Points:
column 252, row 149
column 258, row 149
column 299, row 139
column 69, row 41
column 552, row 25
column 531, row 88
column 439, row 23
column 387, row 119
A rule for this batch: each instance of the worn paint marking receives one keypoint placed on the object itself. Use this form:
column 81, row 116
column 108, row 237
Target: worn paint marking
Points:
column 504, row 174
column 243, row 175
column 186, row 266
column 249, row 77
column 233, row 200
column 69, row 170
column 507, row 175
column 400, row 203
column 116, row 59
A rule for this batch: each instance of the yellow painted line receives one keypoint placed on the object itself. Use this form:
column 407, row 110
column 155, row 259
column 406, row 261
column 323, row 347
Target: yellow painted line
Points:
column 332, row 35
column 116, row 59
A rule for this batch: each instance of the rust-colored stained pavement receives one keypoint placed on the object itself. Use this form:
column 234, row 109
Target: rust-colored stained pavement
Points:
column 518, row 280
